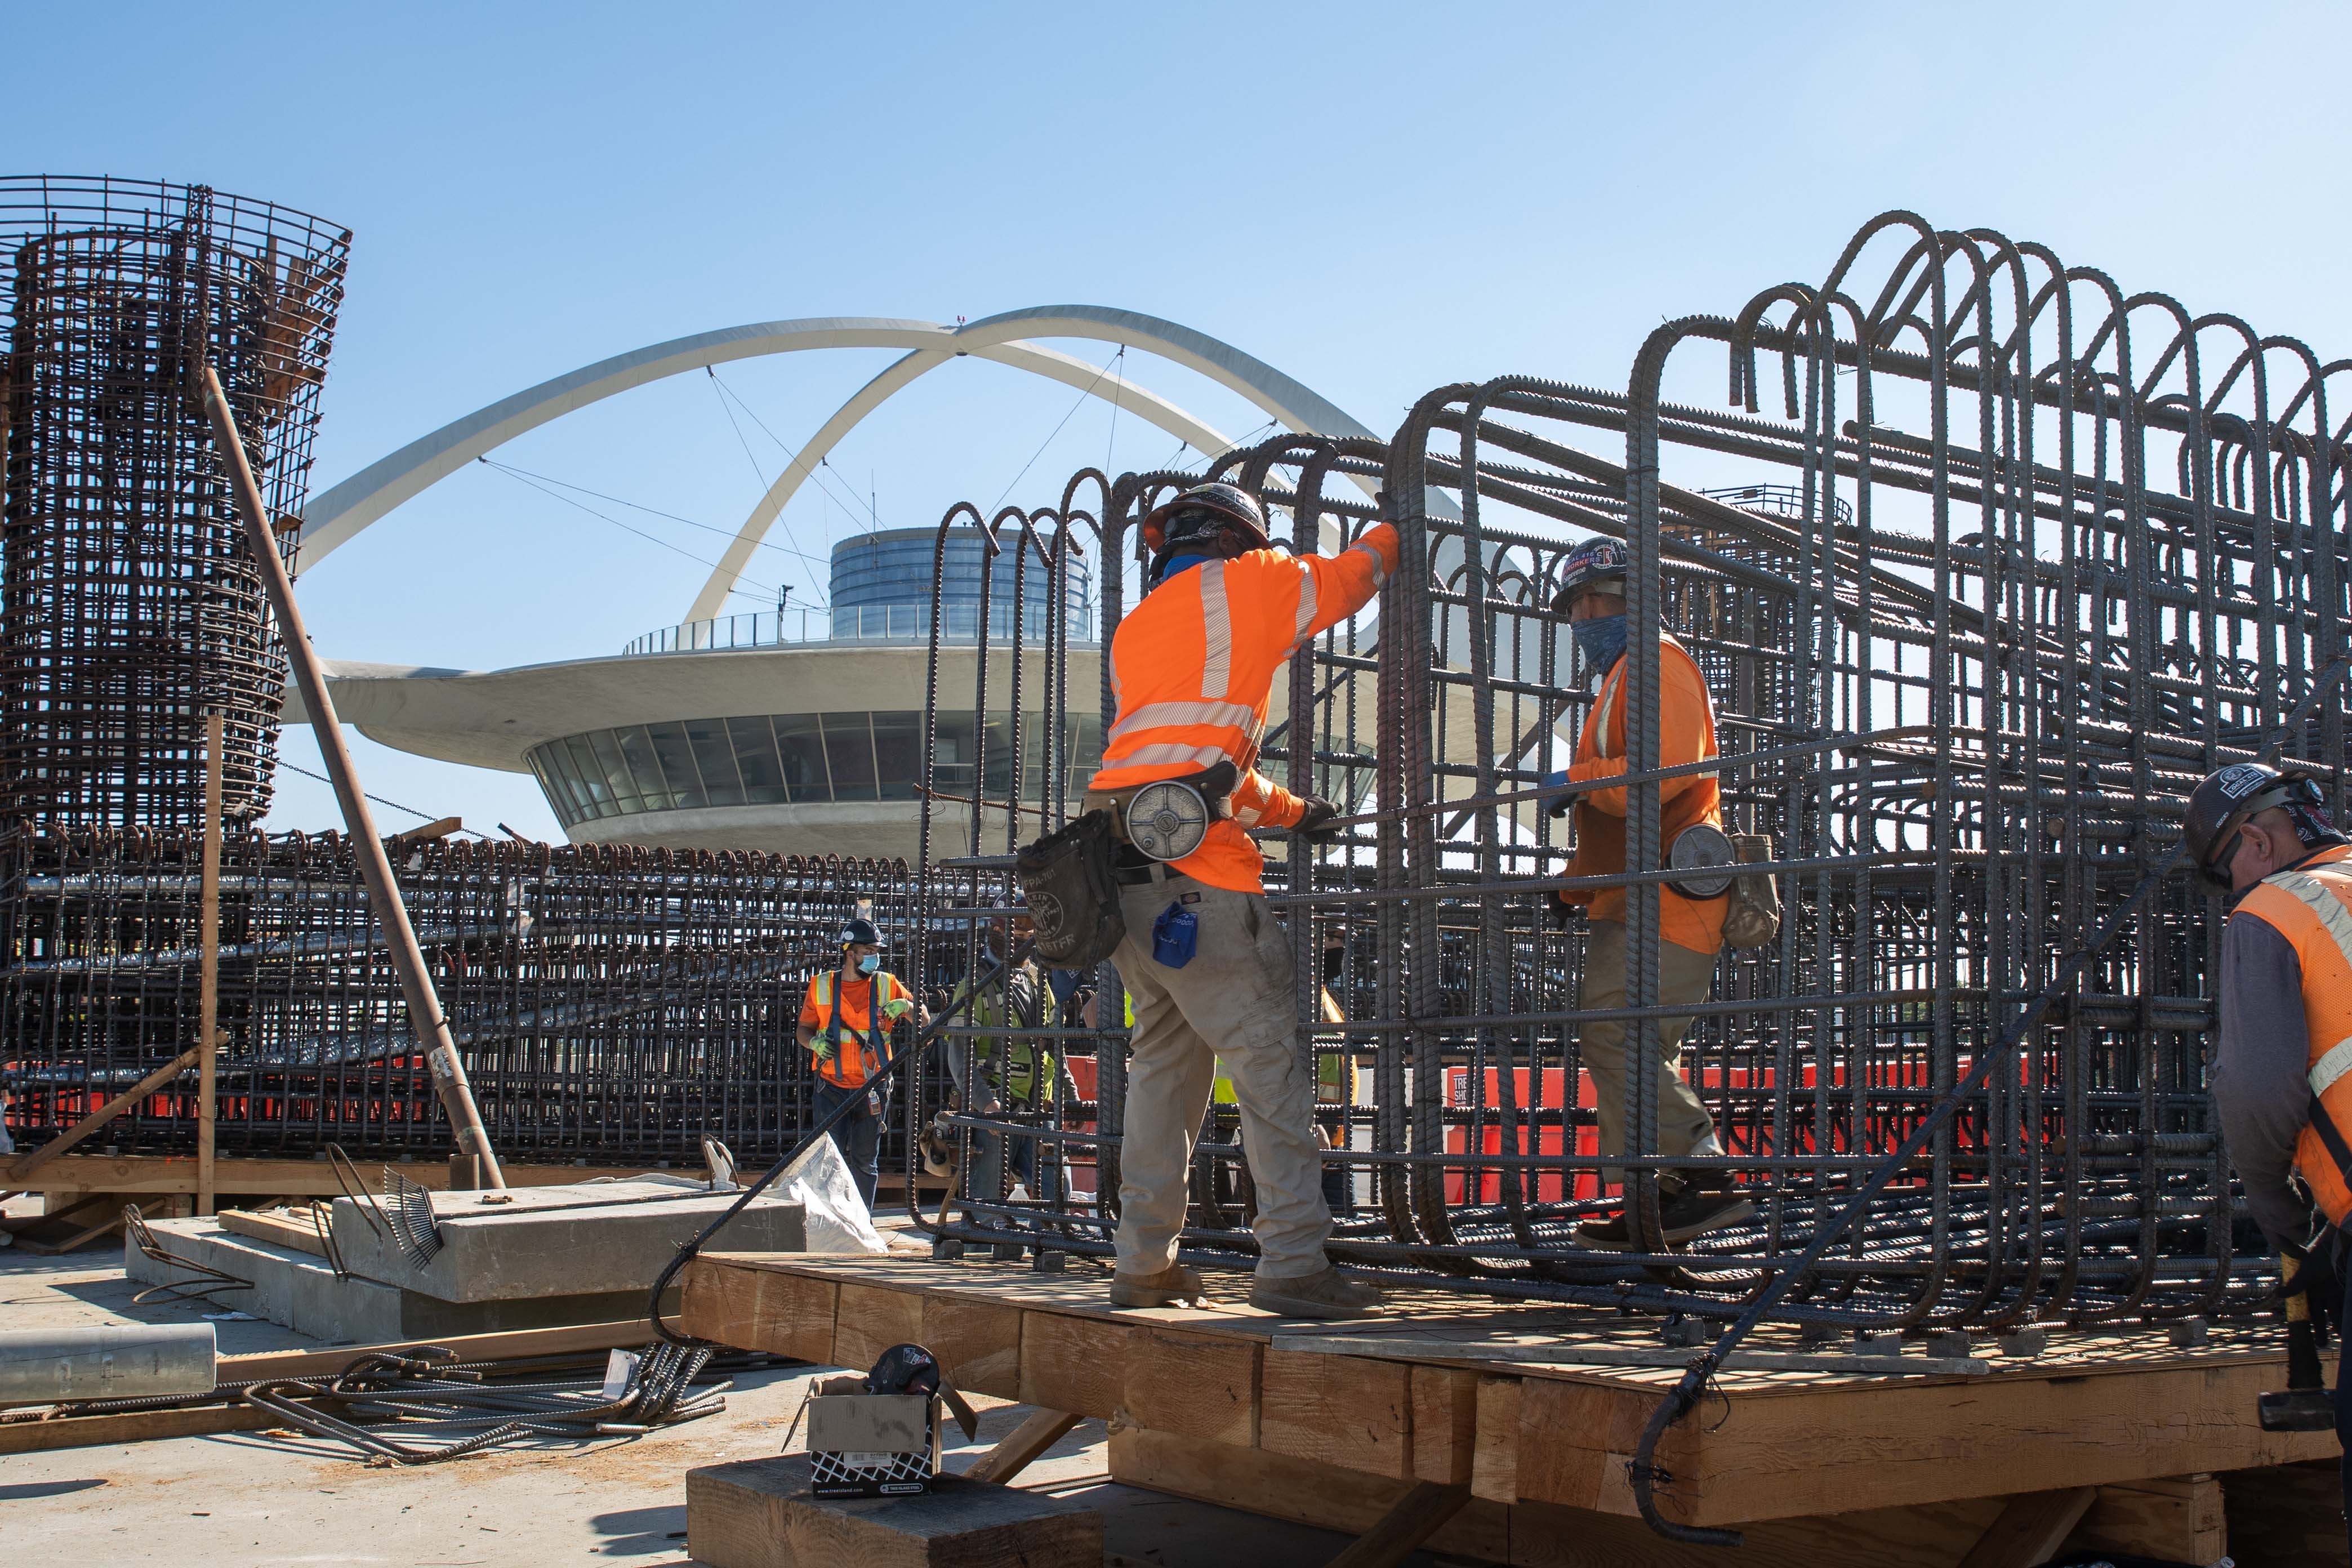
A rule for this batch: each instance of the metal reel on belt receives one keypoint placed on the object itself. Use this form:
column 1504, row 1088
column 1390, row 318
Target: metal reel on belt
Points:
column 1167, row 820
column 1700, row 852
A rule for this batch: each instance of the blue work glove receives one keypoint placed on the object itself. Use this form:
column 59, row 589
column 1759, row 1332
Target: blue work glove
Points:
column 1558, row 807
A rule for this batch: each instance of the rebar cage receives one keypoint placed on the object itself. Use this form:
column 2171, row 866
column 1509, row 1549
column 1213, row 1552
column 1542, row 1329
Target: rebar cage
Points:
column 2014, row 560
column 615, row 1005
column 130, row 603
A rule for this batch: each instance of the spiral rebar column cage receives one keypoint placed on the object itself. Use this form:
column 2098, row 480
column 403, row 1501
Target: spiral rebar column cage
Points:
column 129, row 604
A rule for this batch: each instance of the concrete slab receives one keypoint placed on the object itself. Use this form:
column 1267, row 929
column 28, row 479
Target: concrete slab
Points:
column 589, row 1239
column 301, row 1292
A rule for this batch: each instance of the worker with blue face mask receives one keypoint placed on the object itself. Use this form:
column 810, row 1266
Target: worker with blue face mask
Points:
column 1592, row 596
column 847, row 1017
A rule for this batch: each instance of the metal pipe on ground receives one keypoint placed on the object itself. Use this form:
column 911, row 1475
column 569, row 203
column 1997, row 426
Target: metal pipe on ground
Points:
column 118, row 1361
column 425, row 1013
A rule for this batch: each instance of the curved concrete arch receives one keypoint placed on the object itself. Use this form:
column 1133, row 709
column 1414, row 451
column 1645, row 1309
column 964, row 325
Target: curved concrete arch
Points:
column 903, row 372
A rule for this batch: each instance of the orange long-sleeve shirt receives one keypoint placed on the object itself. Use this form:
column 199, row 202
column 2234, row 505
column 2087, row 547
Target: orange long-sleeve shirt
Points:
column 1192, row 669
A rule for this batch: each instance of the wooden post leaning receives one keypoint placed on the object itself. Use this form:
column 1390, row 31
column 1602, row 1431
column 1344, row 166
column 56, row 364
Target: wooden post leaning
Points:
column 425, row 1014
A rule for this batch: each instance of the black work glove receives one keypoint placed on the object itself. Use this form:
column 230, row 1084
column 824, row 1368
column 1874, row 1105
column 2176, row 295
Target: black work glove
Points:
column 1315, row 821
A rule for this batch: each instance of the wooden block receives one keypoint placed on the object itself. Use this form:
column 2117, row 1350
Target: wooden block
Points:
column 1495, row 1461
column 757, row 1514
column 1577, row 1438
column 1349, row 1411
column 1196, row 1386
column 275, row 1227
column 1072, row 1363
column 756, row 1308
column 2030, row 1528
column 869, row 1319
column 978, row 1342
column 2181, row 1518
column 1532, row 1535
column 1445, row 1424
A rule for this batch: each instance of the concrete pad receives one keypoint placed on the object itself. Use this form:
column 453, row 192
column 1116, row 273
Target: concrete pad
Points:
column 301, row 1292
column 591, row 1239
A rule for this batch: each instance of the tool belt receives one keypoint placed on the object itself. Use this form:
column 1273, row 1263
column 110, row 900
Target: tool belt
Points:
column 1071, row 888
column 1754, row 917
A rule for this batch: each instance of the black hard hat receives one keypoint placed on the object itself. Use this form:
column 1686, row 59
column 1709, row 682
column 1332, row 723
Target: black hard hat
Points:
column 862, row 934
column 1594, row 560
column 1203, row 513
column 2235, row 795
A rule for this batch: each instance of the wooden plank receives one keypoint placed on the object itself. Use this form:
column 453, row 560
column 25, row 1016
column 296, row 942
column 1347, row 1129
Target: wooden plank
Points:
column 759, row 1309
column 978, row 1342
column 515, row 1345
column 1445, row 1424
column 439, row 827
column 1014, row 1451
column 1074, row 1364
column 756, row 1514
column 1532, row 1535
column 138, row 1427
column 208, row 966
column 276, row 1228
column 2180, row 1519
column 1575, row 1440
column 1416, row 1517
column 868, row 1320
column 1196, row 1386
column 1917, row 1443
column 1337, row 1410
column 2031, row 1529
column 1493, row 1462
column 139, row 1174
column 39, row 1248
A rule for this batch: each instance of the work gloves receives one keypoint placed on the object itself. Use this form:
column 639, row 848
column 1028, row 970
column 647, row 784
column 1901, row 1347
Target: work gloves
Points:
column 1315, row 821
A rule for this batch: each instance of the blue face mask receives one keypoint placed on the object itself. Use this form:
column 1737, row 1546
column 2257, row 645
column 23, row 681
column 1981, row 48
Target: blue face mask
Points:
column 1600, row 641
column 870, row 963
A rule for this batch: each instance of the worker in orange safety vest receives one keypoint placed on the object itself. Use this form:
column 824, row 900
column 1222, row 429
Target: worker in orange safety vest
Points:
column 1205, row 963
column 847, row 1016
column 2281, row 1075
column 1592, row 596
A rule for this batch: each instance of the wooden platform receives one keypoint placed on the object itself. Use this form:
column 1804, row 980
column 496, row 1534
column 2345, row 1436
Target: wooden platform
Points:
column 1926, row 1456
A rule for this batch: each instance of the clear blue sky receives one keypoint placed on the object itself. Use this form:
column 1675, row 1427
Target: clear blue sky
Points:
column 1374, row 197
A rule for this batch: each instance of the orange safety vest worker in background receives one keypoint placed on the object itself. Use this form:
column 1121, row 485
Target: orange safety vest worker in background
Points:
column 846, row 1015
column 1697, row 1200
column 1192, row 667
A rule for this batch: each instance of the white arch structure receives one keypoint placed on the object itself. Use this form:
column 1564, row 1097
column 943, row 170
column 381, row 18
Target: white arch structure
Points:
column 336, row 515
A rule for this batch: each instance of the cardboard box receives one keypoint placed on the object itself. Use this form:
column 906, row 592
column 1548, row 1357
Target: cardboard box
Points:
column 872, row 1445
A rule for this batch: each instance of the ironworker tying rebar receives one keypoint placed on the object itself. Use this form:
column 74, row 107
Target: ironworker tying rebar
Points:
column 2282, row 1075
column 1592, row 597
column 1009, row 1071
column 1207, row 967
column 847, row 1017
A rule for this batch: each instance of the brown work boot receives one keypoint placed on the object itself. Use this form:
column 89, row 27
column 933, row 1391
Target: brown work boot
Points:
column 1174, row 1285
column 1322, row 1295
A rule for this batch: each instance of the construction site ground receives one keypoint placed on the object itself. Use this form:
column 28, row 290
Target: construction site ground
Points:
column 252, row 1499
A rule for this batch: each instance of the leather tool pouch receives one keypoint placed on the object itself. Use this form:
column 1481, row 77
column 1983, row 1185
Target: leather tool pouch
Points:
column 1068, row 882
column 1754, row 917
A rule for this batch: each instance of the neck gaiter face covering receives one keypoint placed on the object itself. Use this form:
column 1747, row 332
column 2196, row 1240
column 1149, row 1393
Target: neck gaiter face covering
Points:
column 1600, row 642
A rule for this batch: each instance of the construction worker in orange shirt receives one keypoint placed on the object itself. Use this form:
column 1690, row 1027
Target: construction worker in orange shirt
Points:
column 1592, row 596
column 1204, row 961
column 847, row 1016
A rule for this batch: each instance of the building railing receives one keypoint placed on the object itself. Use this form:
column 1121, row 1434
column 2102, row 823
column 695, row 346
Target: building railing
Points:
column 902, row 624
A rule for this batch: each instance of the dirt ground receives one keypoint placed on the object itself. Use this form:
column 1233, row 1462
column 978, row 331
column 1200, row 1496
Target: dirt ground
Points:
column 262, row 1500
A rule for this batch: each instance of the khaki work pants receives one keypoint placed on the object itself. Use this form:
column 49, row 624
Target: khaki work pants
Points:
column 1684, row 975
column 1231, row 1002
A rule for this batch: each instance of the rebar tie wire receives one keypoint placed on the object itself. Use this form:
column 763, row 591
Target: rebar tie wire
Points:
column 1692, row 1386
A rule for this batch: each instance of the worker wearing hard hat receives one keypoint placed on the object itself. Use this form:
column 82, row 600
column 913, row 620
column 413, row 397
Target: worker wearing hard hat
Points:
column 1592, row 596
column 2282, row 1074
column 847, row 1016
column 1207, row 965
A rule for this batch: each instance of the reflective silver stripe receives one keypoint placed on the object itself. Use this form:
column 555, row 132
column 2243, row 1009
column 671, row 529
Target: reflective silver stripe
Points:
column 1611, row 685
column 1157, row 715
column 2333, row 918
column 1249, row 816
column 1161, row 751
column 2331, row 1066
column 1380, row 566
column 1110, row 661
column 1217, row 631
column 1302, row 629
